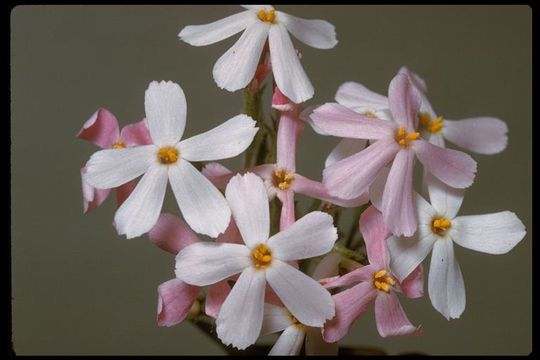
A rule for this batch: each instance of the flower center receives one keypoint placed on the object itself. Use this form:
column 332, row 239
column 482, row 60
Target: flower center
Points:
column 382, row 281
column 261, row 256
column 119, row 144
column 282, row 179
column 440, row 226
column 295, row 321
column 167, row 155
column 268, row 16
column 427, row 122
column 403, row 139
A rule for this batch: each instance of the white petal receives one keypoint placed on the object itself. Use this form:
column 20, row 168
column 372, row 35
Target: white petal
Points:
column 236, row 68
column 319, row 34
column 495, row 233
column 276, row 318
column 289, row 342
column 345, row 148
column 445, row 200
column 139, row 213
column 305, row 298
column 205, row 263
column 203, row 206
column 445, row 285
column 240, row 318
column 355, row 95
column 290, row 77
column 165, row 107
column 312, row 235
column 200, row 35
column 225, row 141
column 111, row 168
column 247, row 197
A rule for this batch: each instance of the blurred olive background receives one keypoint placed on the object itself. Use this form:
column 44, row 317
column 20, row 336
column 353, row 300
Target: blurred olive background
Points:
column 78, row 288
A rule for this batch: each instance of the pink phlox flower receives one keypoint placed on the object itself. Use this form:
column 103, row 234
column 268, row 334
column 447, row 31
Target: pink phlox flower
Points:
column 263, row 259
column 375, row 283
column 102, row 130
column 261, row 25
column 399, row 144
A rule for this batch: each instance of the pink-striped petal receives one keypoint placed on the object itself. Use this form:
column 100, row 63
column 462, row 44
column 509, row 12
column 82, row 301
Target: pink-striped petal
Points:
column 397, row 202
column 175, row 299
column 351, row 177
column 287, row 217
column 364, row 273
column 136, row 134
column 231, row 235
column 172, row 234
column 350, row 304
column 345, row 148
column 375, row 233
column 101, row 129
column 455, row 168
column 417, row 81
column 218, row 174
column 413, row 285
column 390, row 317
column 289, row 130
column 316, row 190
column 337, row 120
column 123, row 192
column 483, row 135
column 404, row 101
column 215, row 297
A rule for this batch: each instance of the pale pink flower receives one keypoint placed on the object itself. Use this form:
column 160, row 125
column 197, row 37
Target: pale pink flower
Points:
column 281, row 178
column 176, row 297
column 376, row 283
column 102, row 130
column 262, row 259
column 262, row 24
column 202, row 205
column 397, row 143
column 439, row 227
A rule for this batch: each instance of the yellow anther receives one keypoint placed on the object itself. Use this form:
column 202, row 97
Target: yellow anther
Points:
column 167, row 155
column 369, row 114
column 382, row 281
column 119, row 144
column 261, row 256
column 282, row 179
column 430, row 124
column 403, row 139
column 440, row 225
column 267, row 16
column 295, row 321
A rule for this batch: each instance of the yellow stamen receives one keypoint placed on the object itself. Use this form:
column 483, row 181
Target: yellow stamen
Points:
column 431, row 125
column 382, row 281
column 440, row 225
column 282, row 179
column 369, row 114
column 403, row 139
column 119, row 144
column 295, row 321
column 261, row 256
column 267, row 16
column 167, row 155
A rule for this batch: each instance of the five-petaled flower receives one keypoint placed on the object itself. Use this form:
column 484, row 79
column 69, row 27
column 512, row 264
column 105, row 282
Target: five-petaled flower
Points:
column 203, row 206
column 236, row 68
column 262, row 259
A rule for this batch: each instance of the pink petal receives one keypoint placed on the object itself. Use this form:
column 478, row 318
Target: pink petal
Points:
column 483, row 135
column 354, row 95
column 416, row 80
column 364, row 273
column 335, row 119
column 315, row 189
column 101, row 129
column 404, row 101
column 281, row 102
column 231, row 235
column 350, row 304
column 123, row 191
column 390, row 317
column 397, row 202
column 455, row 168
column 413, row 285
column 218, row 174
column 215, row 296
column 92, row 197
column 352, row 176
column 136, row 134
column 287, row 217
column 172, row 234
column 175, row 299
column 289, row 130
column 375, row 233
